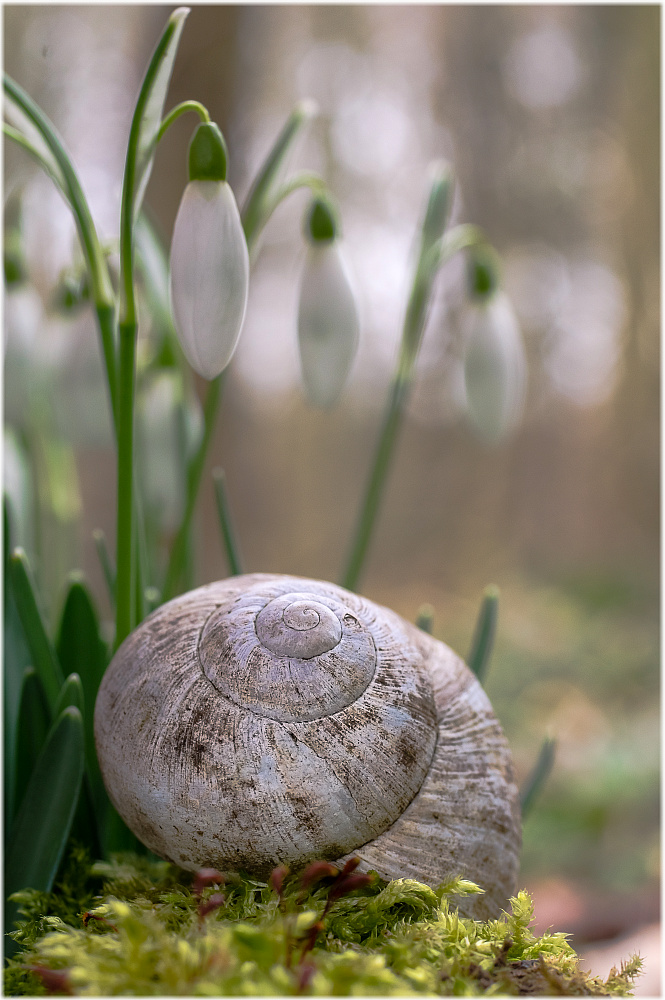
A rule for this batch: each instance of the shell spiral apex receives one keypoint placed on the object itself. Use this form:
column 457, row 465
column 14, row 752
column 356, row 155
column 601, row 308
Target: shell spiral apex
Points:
column 268, row 720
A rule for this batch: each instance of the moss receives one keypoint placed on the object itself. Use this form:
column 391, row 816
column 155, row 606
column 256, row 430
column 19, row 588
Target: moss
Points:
column 138, row 927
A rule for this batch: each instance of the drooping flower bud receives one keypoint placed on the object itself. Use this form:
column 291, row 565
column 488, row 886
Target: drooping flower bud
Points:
column 494, row 368
column 209, row 259
column 327, row 315
column 482, row 272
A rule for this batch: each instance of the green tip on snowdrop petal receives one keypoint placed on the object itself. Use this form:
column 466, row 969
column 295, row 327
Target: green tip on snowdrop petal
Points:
column 208, row 155
column 209, row 276
column 328, row 324
column 483, row 272
column 494, row 368
column 321, row 225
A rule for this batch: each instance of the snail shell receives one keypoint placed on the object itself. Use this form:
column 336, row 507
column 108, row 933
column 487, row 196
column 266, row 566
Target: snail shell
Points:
column 268, row 720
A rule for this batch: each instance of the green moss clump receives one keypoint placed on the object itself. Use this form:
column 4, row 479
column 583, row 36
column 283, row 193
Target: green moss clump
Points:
column 137, row 927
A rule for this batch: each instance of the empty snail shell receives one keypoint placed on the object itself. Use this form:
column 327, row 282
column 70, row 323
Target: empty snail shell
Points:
column 268, row 720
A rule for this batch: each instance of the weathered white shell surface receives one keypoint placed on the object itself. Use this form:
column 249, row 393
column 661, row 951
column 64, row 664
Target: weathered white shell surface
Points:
column 268, row 720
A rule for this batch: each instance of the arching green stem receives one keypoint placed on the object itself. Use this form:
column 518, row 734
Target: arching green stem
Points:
column 304, row 179
column 181, row 109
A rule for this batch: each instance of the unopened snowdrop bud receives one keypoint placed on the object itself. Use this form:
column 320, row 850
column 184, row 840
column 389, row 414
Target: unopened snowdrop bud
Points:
column 327, row 316
column 209, row 259
column 494, row 367
column 482, row 272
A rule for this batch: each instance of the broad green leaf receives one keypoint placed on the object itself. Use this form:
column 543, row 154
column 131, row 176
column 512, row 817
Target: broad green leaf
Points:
column 150, row 104
column 483, row 637
column 41, row 829
column 82, row 651
column 71, row 694
column 7, row 532
column 16, row 659
column 34, row 722
column 43, row 655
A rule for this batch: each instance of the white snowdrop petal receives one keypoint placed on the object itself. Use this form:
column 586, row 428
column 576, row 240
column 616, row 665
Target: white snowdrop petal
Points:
column 327, row 324
column 494, row 369
column 209, row 275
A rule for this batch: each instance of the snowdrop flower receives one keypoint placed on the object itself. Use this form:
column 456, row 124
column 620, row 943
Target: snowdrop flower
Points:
column 209, row 259
column 494, row 367
column 327, row 314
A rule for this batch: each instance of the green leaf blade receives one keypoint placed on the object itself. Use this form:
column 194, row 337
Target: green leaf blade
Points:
column 34, row 722
column 535, row 781
column 16, row 660
column 258, row 203
column 41, row 829
column 42, row 141
column 41, row 648
column 483, row 637
column 83, row 654
column 81, row 649
column 24, row 120
column 150, row 105
column 227, row 529
column 71, row 695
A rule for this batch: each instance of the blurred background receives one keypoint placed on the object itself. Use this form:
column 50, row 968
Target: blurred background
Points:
column 551, row 118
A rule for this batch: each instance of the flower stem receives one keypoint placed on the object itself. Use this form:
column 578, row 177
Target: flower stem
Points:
column 228, row 534
column 125, row 502
column 194, row 477
column 303, row 179
column 374, row 491
column 140, row 151
column 181, row 109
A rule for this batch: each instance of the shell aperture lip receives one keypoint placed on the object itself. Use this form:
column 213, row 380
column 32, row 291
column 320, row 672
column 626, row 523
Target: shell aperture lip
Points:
column 286, row 654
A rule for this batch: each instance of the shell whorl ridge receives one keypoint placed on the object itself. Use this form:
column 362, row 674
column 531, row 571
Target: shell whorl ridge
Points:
column 268, row 720
column 293, row 658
